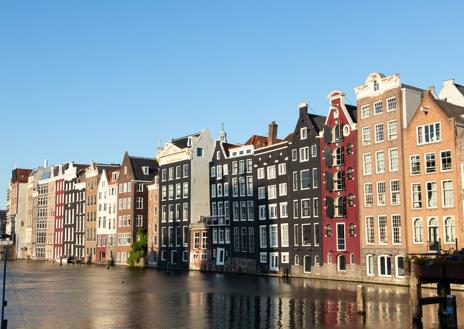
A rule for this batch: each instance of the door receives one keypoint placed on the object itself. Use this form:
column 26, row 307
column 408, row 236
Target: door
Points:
column 274, row 261
column 433, row 234
column 220, row 256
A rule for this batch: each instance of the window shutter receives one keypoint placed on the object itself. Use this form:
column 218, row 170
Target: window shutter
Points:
column 329, row 204
column 329, row 184
column 327, row 135
column 328, row 158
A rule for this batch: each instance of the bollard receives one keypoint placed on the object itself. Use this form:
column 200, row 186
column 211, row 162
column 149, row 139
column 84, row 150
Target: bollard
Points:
column 361, row 299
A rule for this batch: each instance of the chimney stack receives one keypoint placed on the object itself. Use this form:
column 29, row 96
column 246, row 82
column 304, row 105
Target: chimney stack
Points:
column 303, row 106
column 272, row 134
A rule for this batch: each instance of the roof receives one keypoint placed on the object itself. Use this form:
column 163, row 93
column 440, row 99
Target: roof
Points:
column 412, row 87
column 227, row 147
column 453, row 111
column 317, row 120
column 352, row 112
column 138, row 163
column 460, row 88
column 289, row 137
column 182, row 142
column 257, row 141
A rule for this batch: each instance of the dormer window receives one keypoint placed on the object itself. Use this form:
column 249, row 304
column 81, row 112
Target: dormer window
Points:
column 376, row 85
column 145, row 170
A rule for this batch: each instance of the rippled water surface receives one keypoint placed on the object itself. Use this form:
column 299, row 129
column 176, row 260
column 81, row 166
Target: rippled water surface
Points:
column 81, row 296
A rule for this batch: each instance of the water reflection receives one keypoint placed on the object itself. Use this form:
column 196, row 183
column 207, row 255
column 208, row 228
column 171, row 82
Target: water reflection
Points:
column 49, row 296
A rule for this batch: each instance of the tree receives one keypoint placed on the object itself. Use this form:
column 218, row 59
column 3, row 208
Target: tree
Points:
column 139, row 248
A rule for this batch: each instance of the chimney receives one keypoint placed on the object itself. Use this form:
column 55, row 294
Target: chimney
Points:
column 272, row 134
column 303, row 106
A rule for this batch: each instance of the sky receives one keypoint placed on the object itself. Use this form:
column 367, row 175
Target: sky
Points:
column 87, row 80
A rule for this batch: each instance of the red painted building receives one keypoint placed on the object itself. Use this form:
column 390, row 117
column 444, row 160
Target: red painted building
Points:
column 340, row 222
column 59, row 210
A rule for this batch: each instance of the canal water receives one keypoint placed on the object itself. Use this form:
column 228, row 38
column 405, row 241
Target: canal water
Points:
column 43, row 295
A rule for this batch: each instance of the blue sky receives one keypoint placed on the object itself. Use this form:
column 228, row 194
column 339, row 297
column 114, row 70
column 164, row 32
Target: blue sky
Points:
column 87, row 80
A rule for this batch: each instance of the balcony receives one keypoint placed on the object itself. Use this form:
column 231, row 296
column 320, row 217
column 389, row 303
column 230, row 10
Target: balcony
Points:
column 211, row 221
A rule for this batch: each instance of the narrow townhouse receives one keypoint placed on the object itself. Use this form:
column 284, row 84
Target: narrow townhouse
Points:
column 50, row 221
column 432, row 175
column 134, row 176
column 305, row 206
column 16, row 211
column 153, row 223
column 340, row 219
column 59, row 211
column 41, row 201
column 106, row 213
column 385, row 106
column 233, row 230
column 184, row 198
column 92, row 177
column 273, row 220
column 74, row 212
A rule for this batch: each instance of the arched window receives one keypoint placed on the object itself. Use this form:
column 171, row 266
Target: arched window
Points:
column 341, row 263
column 352, row 259
column 417, row 230
column 329, row 258
column 340, row 206
column 349, row 173
column 337, row 134
column 317, row 261
column 307, row 264
column 450, row 230
column 297, row 260
column 338, row 156
column 350, row 200
column 339, row 184
column 433, row 233
column 328, row 230
column 351, row 229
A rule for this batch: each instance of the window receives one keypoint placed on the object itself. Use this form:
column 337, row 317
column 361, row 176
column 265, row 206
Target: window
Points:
column 338, row 156
column 384, row 265
column 225, row 169
column 340, row 206
column 296, row 208
column 315, row 178
column 262, row 236
column 271, row 172
column 395, row 192
column 367, row 164
column 378, row 108
column 392, row 130
column 249, row 182
column 415, row 164
column 199, row 152
column 393, row 156
column 304, row 154
column 399, row 266
column 262, row 212
column 295, row 181
column 379, row 133
column 366, row 135
column 236, row 211
column 236, row 239
column 307, row 264
column 303, row 133
column 251, row 239
column 213, row 190
column 251, row 210
column 284, row 235
column 431, row 188
column 283, row 210
column 139, row 203
column 306, row 237
column 249, row 165
column 315, row 207
column 305, row 208
column 225, row 189
column 282, row 189
column 261, row 192
column 450, row 230
column 369, row 229
column 294, row 155
column 296, row 234
column 447, row 191
column 234, row 168
column 263, row 257
column 296, row 260
column 272, row 211
column 337, row 134
column 370, row 265
column 273, row 238
column 282, row 169
column 416, row 195
column 185, row 211
column 430, row 133
column 219, row 172
column 396, row 229
column 340, row 237
column 314, row 150
column 305, row 179
column 368, row 195
column 341, row 263
column 242, row 186
column 381, row 194
column 271, row 192
column 365, row 111
column 391, row 104
column 243, row 210
column 185, row 170
column 445, row 160
column 379, row 162
column 417, row 230
column 382, row 221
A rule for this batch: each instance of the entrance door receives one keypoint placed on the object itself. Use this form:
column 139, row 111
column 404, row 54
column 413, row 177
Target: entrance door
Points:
column 220, row 256
column 274, row 261
column 433, row 234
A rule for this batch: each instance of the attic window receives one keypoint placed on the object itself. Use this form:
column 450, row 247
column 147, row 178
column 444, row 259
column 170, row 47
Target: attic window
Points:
column 376, row 85
column 189, row 141
column 114, row 176
column 145, row 170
